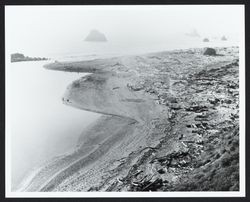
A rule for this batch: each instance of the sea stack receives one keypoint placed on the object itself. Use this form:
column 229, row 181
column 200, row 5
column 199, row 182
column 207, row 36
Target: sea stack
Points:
column 205, row 40
column 193, row 33
column 223, row 38
column 96, row 36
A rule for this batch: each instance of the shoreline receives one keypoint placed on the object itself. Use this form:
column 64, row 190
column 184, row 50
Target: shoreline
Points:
column 174, row 113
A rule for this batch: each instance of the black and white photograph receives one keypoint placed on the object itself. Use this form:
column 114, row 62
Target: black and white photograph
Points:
column 125, row 100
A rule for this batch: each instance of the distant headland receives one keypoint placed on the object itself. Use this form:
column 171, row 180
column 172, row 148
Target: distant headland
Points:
column 19, row 57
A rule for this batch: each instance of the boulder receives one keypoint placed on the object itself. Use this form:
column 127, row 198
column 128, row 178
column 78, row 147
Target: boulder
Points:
column 209, row 51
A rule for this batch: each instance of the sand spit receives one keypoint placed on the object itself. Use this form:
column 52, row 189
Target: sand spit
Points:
column 170, row 123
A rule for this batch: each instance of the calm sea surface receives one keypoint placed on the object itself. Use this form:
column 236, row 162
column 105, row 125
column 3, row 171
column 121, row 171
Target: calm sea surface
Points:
column 41, row 126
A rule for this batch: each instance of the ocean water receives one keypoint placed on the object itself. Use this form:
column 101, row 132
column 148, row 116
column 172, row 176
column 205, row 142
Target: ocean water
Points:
column 40, row 126
column 83, row 50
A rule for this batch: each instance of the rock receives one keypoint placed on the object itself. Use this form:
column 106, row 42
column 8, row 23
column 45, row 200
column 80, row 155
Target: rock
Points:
column 161, row 171
column 232, row 85
column 151, row 91
column 173, row 159
column 197, row 108
column 168, row 98
column 223, row 38
column 200, row 142
column 193, row 33
column 175, row 106
column 135, row 87
column 76, row 84
column 205, row 40
column 227, row 101
column 96, row 36
column 201, row 118
column 171, row 114
column 180, row 136
column 147, row 185
column 18, row 57
column 213, row 101
column 210, row 51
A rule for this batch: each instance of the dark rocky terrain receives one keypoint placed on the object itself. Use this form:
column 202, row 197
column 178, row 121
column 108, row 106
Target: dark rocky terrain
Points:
column 170, row 123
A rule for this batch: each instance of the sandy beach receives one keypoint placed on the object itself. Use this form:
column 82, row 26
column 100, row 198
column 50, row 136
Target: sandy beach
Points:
column 169, row 122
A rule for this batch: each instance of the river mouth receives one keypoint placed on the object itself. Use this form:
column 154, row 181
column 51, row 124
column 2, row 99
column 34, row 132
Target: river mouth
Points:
column 40, row 126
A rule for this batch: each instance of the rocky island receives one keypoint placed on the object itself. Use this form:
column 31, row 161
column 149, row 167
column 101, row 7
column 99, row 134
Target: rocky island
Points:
column 223, row 38
column 193, row 33
column 170, row 123
column 205, row 40
column 96, row 36
column 18, row 57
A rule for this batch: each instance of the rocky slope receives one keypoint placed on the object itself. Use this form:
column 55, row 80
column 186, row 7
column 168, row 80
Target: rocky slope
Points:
column 170, row 123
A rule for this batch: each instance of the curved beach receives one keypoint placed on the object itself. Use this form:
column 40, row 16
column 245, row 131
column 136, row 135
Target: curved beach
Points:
column 170, row 122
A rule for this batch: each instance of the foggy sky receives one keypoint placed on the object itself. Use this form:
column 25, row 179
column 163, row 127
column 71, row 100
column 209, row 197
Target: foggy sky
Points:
column 52, row 28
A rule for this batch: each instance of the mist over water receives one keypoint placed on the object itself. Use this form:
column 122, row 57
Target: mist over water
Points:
column 95, row 50
column 50, row 31
column 41, row 126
